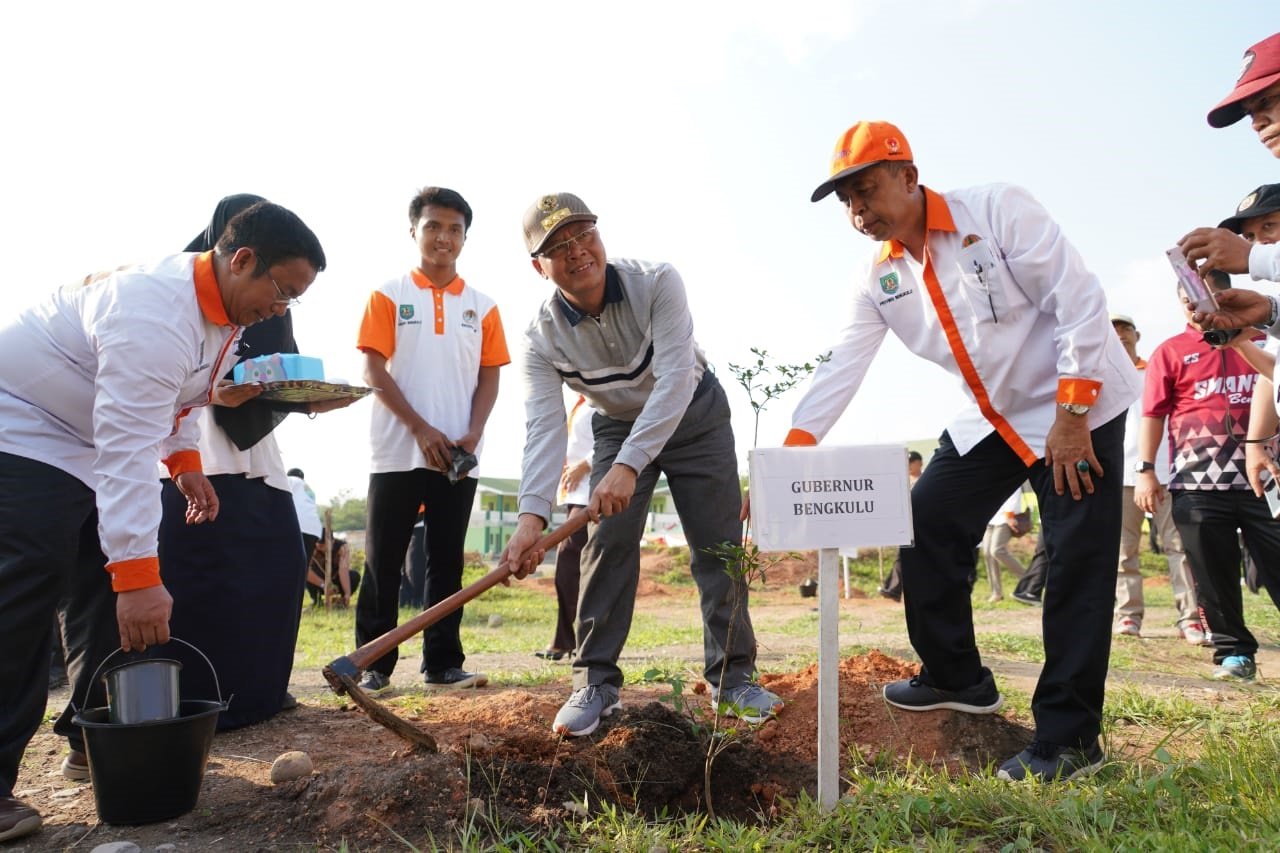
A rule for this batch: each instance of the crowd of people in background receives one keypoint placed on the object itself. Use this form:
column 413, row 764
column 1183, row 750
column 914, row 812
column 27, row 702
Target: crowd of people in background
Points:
column 143, row 495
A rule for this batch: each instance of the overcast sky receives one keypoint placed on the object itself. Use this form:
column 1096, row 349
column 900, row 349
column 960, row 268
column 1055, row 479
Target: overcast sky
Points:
column 696, row 131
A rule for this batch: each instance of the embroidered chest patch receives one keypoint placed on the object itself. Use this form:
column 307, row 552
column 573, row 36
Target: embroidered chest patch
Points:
column 890, row 283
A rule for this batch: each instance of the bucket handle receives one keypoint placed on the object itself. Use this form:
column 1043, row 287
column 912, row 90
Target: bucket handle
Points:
column 216, row 685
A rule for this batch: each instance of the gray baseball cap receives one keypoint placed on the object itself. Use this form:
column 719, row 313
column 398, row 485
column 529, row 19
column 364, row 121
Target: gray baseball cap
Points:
column 548, row 213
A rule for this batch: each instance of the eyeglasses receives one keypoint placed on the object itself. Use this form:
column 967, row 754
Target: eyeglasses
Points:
column 584, row 238
column 285, row 299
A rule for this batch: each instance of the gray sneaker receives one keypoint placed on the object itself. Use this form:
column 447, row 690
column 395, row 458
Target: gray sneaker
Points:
column 1049, row 762
column 582, row 713
column 456, row 678
column 375, row 682
column 749, row 702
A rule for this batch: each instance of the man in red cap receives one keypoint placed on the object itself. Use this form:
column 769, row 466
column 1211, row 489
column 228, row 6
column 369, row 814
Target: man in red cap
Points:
column 982, row 282
column 1256, row 95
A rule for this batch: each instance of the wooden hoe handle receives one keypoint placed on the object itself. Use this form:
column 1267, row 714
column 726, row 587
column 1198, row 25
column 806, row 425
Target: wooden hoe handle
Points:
column 353, row 664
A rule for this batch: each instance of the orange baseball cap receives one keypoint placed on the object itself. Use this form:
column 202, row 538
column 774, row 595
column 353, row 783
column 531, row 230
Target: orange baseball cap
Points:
column 863, row 145
column 1259, row 68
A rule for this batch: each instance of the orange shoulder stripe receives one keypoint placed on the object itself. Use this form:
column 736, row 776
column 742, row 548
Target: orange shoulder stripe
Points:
column 493, row 344
column 967, row 368
column 207, row 292
column 378, row 326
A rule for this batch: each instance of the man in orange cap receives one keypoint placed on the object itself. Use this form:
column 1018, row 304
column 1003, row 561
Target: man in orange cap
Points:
column 982, row 282
column 1256, row 95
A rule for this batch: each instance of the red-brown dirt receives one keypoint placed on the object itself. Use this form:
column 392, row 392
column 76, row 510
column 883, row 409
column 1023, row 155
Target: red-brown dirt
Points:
column 498, row 758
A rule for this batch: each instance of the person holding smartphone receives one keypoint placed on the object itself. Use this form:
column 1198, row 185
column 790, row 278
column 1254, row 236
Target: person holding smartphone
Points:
column 1204, row 392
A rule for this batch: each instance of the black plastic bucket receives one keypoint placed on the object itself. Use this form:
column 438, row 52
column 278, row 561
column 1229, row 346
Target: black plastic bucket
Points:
column 148, row 772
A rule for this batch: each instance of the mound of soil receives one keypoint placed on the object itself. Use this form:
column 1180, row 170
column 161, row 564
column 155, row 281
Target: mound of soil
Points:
column 499, row 759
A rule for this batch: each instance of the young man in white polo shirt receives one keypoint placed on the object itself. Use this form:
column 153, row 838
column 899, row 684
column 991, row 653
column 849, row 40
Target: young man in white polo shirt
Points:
column 433, row 347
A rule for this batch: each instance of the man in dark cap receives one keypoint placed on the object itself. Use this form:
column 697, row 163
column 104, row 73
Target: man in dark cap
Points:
column 619, row 332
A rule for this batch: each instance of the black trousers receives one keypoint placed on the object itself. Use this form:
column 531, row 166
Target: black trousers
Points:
column 568, row 579
column 1032, row 583
column 413, row 577
column 1207, row 522
column 237, row 587
column 393, row 503
column 951, row 504
column 49, row 550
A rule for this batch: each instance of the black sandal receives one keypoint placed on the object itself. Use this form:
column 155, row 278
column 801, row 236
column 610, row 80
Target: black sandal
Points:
column 551, row 654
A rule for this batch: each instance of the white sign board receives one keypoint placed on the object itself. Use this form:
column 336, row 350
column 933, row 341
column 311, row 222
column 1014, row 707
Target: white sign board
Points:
column 830, row 497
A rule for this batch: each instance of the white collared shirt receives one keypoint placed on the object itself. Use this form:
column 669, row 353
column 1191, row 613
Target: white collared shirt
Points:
column 1012, row 311
column 99, row 381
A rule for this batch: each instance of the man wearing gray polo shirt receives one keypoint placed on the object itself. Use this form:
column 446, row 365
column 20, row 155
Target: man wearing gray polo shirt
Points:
column 619, row 332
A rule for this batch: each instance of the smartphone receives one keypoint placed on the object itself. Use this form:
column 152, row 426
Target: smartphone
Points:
column 1190, row 283
column 1271, row 490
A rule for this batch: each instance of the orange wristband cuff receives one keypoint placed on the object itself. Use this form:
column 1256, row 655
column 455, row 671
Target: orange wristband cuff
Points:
column 1084, row 391
column 128, row 575
column 799, row 438
column 182, row 462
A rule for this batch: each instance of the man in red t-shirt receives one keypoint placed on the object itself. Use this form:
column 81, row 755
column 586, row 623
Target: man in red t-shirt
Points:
column 1204, row 392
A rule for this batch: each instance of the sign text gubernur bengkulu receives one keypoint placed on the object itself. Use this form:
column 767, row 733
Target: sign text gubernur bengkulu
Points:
column 834, row 491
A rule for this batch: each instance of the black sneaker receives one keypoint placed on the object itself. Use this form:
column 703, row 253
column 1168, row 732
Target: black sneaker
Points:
column 456, row 679
column 17, row 819
column 375, row 682
column 1049, row 762
column 914, row 694
column 1028, row 598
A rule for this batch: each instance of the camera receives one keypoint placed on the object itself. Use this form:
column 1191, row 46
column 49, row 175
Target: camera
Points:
column 1219, row 337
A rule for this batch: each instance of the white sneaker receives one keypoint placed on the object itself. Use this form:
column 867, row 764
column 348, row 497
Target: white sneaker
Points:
column 1194, row 634
column 1127, row 627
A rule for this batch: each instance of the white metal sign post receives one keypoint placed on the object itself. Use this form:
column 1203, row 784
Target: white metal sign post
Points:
column 827, row 498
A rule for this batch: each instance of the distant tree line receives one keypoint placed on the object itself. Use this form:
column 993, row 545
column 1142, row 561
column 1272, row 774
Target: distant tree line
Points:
column 348, row 512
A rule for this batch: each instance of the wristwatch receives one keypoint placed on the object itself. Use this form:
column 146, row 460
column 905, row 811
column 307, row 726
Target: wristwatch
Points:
column 1075, row 408
column 1272, row 316
column 1144, row 467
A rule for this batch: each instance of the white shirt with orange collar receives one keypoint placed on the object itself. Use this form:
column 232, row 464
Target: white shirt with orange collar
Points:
column 1004, row 302
column 99, row 381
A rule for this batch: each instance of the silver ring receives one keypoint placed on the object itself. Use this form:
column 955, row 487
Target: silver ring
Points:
column 1083, row 466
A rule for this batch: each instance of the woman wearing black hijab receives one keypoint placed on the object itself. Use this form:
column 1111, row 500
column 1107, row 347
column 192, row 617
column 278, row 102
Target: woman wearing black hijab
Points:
column 237, row 583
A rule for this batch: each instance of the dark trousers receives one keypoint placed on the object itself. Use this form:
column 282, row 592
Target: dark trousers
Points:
column 951, row 504
column 1207, row 522
column 701, row 467
column 237, row 586
column 1032, row 582
column 393, row 503
column 893, row 584
column 48, row 550
column 413, row 580
column 568, row 575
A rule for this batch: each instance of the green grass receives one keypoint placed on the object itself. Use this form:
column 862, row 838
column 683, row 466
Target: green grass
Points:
column 1187, row 771
column 528, row 617
column 1013, row 646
